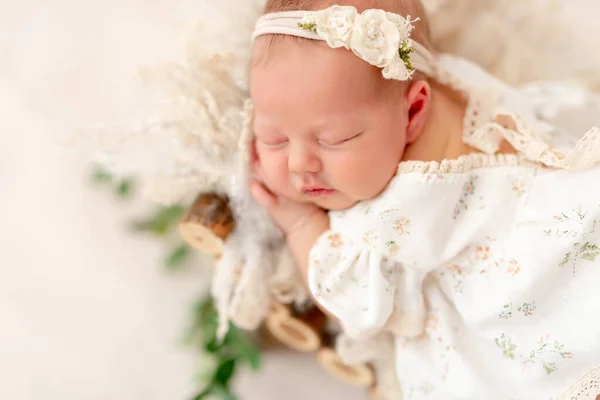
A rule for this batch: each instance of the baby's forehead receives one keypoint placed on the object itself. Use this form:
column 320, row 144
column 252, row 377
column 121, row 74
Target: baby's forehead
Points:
column 301, row 82
column 289, row 64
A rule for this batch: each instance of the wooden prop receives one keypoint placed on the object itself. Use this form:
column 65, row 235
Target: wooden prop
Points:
column 299, row 330
column 356, row 375
column 205, row 225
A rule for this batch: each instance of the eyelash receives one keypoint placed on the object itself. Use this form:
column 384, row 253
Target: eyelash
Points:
column 281, row 143
column 275, row 145
column 342, row 142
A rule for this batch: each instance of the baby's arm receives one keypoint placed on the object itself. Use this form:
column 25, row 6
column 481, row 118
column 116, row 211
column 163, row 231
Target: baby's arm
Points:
column 303, row 239
column 357, row 290
column 302, row 224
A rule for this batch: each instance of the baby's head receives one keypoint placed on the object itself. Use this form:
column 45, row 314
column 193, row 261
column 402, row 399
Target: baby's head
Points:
column 329, row 128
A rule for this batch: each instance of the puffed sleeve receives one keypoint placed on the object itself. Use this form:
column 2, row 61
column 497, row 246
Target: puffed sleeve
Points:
column 365, row 290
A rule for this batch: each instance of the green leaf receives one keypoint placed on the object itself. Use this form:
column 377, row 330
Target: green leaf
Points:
column 224, row 393
column 99, row 176
column 216, row 390
column 308, row 26
column 178, row 256
column 211, row 343
column 225, row 372
column 234, row 336
column 124, row 188
column 161, row 222
column 205, row 325
column 404, row 53
column 251, row 355
column 242, row 347
column 206, row 392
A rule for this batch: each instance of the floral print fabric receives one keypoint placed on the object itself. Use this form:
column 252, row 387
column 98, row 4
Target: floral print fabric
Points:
column 488, row 278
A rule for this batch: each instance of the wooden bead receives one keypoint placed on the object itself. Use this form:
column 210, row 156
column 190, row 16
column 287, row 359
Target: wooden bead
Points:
column 278, row 310
column 207, row 223
column 300, row 330
column 356, row 375
column 294, row 333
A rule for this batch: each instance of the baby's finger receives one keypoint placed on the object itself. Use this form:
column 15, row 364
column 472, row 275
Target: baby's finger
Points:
column 256, row 168
column 262, row 195
column 257, row 171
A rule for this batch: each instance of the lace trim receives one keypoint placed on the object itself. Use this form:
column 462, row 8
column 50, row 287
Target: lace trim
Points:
column 486, row 126
column 586, row 388
column 477, row 132
column 480, row 103
column 478, row 114
column 585, row 154
column 466, row 163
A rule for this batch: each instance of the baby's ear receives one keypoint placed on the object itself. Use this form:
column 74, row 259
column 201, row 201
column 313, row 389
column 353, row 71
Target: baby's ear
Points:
column 418, row 97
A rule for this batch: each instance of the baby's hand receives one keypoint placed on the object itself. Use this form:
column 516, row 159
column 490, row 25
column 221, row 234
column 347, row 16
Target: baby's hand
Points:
column 302, row 223
column 289, row 215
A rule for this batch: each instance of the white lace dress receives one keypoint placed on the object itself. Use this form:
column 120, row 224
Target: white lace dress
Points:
column 486, row 269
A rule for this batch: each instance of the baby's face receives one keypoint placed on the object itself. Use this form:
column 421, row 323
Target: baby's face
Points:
column 326, row 132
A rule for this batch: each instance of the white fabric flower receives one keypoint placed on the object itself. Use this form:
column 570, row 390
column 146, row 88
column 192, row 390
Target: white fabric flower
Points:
column 375, row 38
column 397, row 70
column 404, row 25
column 335, row 24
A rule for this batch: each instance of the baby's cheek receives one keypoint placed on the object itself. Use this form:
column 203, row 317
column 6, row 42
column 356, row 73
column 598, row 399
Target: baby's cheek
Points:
column 347, row 169
column 364, row 175
column 275, row 171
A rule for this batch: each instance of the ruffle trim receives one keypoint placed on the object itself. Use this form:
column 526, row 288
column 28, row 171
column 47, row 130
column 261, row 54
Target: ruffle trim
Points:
column 586, row 388
column 466, row 163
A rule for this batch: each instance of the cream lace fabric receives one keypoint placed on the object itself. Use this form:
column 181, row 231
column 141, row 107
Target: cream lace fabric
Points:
column 587, row 388
column 489, row 120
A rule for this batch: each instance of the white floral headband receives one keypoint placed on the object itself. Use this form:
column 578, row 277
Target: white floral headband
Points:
column 380, row 38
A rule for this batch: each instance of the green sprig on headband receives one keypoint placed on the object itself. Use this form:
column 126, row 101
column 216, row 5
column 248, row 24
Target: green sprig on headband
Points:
column 405, row 52
column 308, row 26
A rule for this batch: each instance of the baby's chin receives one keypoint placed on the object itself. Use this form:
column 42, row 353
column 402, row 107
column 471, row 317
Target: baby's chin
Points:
column 333, row 202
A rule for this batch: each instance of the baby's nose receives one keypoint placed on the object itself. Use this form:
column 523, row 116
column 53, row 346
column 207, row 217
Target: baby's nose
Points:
column 300, row 160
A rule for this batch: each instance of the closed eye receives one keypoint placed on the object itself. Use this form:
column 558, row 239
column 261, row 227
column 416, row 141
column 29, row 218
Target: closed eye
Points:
column 341, row 142
column 273, row 144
